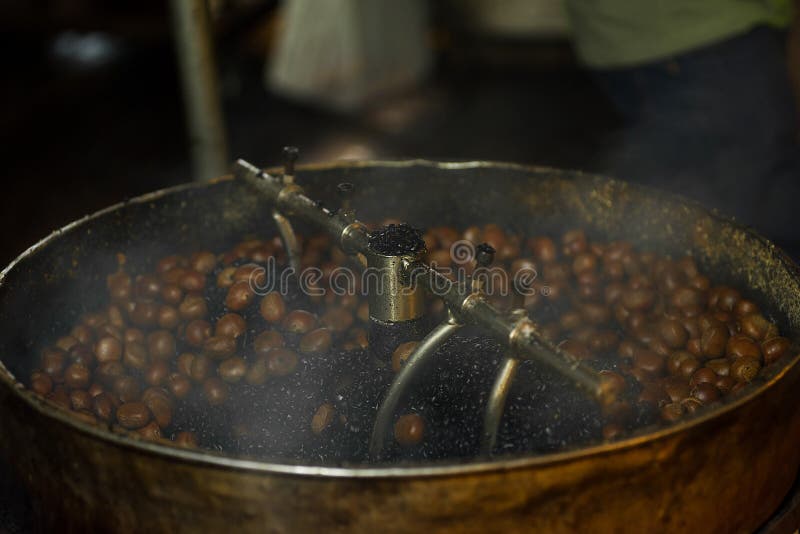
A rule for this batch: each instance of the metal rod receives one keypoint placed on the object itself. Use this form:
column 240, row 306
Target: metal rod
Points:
column 290, row 242
column 408, row 373
column 520, row 334
column 497, row 402
column 193, row 40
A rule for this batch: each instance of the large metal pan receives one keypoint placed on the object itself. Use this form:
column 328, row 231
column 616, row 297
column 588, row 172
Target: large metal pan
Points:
column 725, row 470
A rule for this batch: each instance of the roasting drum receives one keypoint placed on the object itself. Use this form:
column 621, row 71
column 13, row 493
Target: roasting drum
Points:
column 726, row 470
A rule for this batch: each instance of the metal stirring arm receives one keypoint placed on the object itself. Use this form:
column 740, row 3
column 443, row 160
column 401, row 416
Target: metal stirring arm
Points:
column 416, row 363
column 520, row 334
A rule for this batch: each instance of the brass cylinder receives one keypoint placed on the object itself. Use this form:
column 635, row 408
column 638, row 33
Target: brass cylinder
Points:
column 391, row 300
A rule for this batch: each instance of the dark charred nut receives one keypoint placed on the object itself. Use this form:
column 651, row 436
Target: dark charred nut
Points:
column 107, row 373
column 672, row 412
column 337, row 319
column 570, row 320
column 603, row 341
column 627, row 348
column 239, row 296
column 171, row 294
column 689, row 366
column 196, row 332
column 41, row 383
column 192, row 281
column 161, row 345
column 108, row 349
column 691, row 405
column 193, row 307
column 574, row 242
column 133, row 335
column 109, row 330
column 317, row 341
column 225, row 277
column 673, row 333
column 147, row 287
column 179, row 385
column 103, row 406
column 174, row 276
column 82, row 354
column 402, row 353
column 230, row 325
column 144, row 314
column 219, row 347
column 687, row 299
column 706, row 393
column 80, row 400
column 119, row 286
column 724, row 384
column 258, row 372
column 133, row 415
column 201, row 368
column 232, row 370
column 649, row 361
column 755, row 326
column 135, row 356
column 60, row 397
column 652, row 393
column 184, row 363
column 576, row 348
column 169, row 263
column 150, row 432
column 693, row 346
column 322, row 418
column 363, row 312
column 65, row 343
column 595, row 313
column 638, row 299
column 714, row 341
column 281, row 362
column 83, row 334
column 168, row 317
column 186, row 439
column 745, row 369
column 774, row 349
column 704, row 375
column 299, row 322
column 721, row 366
column 157, row 373
column 160, row 408
column 127, row 389
column 740, row 345
column 215, row 390
column 77, row 376
column 409, row 430
column 676, row 389
column 727, row 298
column 116, row 317
column 268, row 340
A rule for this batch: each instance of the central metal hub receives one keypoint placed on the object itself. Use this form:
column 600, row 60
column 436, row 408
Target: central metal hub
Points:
column 392, row 297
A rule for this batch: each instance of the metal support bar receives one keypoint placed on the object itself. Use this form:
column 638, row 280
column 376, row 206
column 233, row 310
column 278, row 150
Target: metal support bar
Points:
column 408, row 373
column 193, row 40
column 497, row 402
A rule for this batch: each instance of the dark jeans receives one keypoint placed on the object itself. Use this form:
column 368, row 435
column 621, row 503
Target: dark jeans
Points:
column 717, row 124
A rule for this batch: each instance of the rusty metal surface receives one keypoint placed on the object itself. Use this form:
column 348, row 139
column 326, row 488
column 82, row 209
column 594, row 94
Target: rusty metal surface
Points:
column 725, row 470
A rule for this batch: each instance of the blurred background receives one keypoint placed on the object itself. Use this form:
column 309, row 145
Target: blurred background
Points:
column 103, row 100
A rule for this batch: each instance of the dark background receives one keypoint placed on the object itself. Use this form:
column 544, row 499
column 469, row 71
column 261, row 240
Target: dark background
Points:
column 80, row 135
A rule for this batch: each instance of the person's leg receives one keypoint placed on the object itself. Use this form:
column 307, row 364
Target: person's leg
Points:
column 717, row 124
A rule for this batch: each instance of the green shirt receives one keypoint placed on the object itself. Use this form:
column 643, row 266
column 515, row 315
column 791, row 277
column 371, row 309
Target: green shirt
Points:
column 620, row 33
